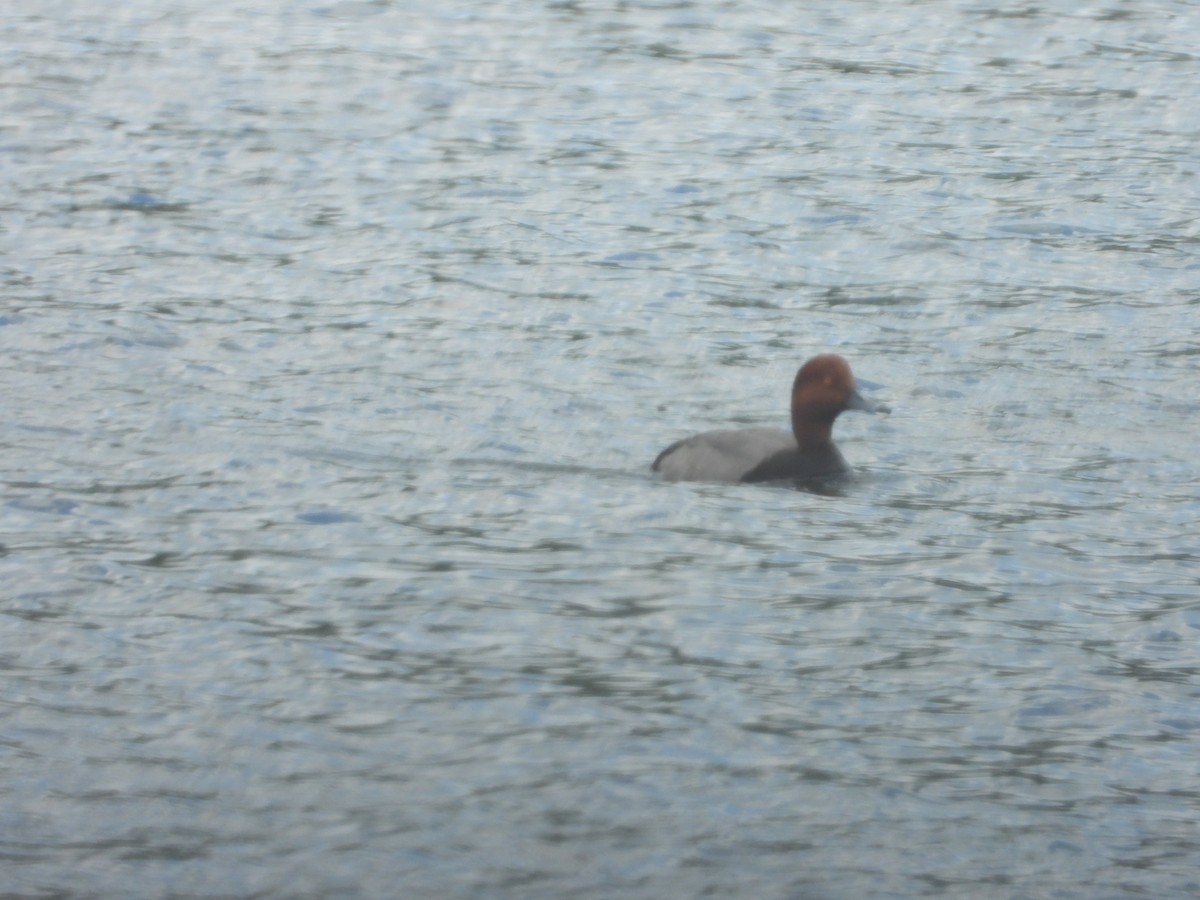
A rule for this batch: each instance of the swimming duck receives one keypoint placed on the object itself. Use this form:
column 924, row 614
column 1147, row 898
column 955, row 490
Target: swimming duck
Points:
column 824, row 388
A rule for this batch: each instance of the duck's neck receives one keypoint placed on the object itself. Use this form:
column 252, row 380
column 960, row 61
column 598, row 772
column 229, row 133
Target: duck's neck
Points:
column 812, row 434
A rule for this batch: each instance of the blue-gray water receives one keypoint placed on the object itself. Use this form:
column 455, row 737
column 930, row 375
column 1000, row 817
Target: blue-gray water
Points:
column 337, row 338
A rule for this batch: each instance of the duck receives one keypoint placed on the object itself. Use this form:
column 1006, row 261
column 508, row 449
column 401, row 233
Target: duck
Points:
column 824, row 388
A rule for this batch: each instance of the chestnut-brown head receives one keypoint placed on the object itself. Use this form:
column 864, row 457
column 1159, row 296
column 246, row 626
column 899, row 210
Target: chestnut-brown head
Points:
column 824, row 388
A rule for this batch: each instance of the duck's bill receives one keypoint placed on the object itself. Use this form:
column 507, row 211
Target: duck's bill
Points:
column 862, row 404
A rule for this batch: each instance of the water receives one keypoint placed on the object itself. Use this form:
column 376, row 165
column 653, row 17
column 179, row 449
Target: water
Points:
column 338, row 339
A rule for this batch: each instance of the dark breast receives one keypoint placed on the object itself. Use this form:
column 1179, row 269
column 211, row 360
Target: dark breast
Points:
column 797, row 465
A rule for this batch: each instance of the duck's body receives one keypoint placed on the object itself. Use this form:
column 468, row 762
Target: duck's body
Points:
column 823, row 389
column 747, row 454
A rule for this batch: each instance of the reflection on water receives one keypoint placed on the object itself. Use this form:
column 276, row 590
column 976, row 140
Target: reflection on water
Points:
column 339, row 340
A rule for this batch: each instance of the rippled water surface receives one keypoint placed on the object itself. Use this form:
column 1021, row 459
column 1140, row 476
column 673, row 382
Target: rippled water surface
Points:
column 337, row 338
